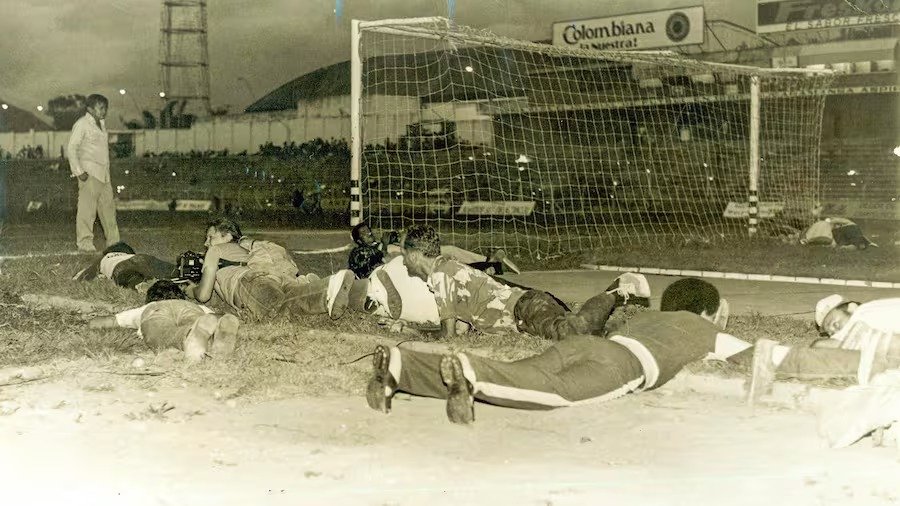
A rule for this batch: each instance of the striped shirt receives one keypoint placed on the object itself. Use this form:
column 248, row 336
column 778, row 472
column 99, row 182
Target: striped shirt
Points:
column 88, row 148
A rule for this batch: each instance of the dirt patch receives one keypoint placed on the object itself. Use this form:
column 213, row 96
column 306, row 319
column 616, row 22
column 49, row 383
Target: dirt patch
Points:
column 97, row 439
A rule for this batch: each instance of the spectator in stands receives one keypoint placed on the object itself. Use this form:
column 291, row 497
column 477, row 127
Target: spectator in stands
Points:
column 88, row 151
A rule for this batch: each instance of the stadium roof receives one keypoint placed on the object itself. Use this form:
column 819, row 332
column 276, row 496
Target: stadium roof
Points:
column 13, row 119
column 328, row 81
column 434, row 76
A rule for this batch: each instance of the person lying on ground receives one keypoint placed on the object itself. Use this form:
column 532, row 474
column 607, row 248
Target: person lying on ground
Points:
column 488, row 305
column 390, row 246
column 230, row 270
column 835, row 232
column 167, row 320
column 390, row 292
column 124, row 267
column 643, row 353
column 861, row 341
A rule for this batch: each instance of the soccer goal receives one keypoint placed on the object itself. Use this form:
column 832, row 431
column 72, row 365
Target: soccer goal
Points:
column 545, row 151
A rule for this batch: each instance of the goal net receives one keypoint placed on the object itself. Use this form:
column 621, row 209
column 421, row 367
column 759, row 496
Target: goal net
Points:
column 545, row 151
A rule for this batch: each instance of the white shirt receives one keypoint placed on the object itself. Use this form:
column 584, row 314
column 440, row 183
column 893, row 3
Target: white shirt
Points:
column 869, row 330
column 418, row 302
column 109, row 262
column 88, row 148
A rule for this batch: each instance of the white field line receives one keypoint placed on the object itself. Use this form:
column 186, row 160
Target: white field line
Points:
column 744, row 276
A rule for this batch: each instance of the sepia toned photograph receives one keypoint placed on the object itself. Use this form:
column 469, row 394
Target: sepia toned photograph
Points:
column 449, row 252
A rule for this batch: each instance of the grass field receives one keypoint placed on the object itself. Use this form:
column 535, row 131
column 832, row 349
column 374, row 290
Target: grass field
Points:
column 307, row 356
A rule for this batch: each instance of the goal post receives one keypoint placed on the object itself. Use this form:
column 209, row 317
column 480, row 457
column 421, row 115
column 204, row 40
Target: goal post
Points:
column 545, row 150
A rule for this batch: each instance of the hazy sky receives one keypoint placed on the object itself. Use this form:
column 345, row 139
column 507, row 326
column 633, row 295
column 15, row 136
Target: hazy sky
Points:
column 54, row 47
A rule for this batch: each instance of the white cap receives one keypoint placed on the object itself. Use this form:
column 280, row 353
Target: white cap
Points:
column 824, row 306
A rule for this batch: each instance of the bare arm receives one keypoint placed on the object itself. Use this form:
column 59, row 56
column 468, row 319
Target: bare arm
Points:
column 202, row 291
column 103, row 322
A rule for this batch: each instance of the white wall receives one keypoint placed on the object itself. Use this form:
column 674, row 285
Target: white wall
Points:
column 384, row 117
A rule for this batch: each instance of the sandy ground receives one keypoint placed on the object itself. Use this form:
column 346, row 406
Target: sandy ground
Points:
column 93, row 441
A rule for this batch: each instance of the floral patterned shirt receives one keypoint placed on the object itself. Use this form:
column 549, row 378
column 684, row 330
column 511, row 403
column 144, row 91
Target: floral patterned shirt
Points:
column 472, row 296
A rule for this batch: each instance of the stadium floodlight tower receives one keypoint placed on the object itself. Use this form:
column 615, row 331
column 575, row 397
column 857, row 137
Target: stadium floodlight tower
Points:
column 546, row 150
column 183, row 55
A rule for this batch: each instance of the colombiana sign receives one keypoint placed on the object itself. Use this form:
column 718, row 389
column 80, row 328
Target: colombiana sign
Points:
column 674, row 27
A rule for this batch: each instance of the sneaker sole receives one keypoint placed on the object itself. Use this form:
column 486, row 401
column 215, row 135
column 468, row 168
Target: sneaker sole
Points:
column 225, row 336
column 762, row 372
column 376, row 390
column 460, row 402
column 395, row 303
column 196, row 342
column 341, row 298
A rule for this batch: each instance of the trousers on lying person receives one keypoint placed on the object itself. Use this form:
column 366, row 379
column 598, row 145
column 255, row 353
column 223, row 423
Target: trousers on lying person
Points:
column 581, row 369
column 835, row 363
column 259, row 293
column 540, row 314
column 306, row 295
column 140, row 268
column 166, row 325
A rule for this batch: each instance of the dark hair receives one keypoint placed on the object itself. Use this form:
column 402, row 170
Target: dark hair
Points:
column 356, row 233
column 164, row 290
column 95, row 99
column 364, row 259
column 690, row 294
column 227, row 226
column 119, row 247
column 424, row 239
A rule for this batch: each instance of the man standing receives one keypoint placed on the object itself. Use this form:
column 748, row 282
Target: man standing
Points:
column 88, row 152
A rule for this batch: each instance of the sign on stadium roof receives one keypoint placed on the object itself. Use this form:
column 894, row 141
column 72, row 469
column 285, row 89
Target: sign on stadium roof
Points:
column 647, row 30
column 792, row 15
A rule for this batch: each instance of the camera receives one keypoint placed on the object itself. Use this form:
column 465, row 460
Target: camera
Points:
column 189, row 267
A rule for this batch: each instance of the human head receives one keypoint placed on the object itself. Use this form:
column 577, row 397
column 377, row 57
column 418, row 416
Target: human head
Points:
column 832, row 313
column 362, row 235
column 119, row 247
column 421, row 246
column 221, row 231
column 697, row 296
column 164, row 290
column 97, row 105
column 364, row 259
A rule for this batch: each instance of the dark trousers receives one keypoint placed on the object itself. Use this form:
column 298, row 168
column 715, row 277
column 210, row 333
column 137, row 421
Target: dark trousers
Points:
column 540, row 314
column 140, row 268
column 578, row 370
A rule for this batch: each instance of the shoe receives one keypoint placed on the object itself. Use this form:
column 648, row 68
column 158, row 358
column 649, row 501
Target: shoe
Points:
column 501, row 257
column 337, row 296
column 225, row 336
column 762, row 371
column 382, row 385
column 630, row 288
column 394, row 302
column 197, row 339
column 595, row 312
column 460, row 397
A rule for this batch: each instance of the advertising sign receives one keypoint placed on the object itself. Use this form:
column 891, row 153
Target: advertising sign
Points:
column 648, row 30
column 792, row 15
